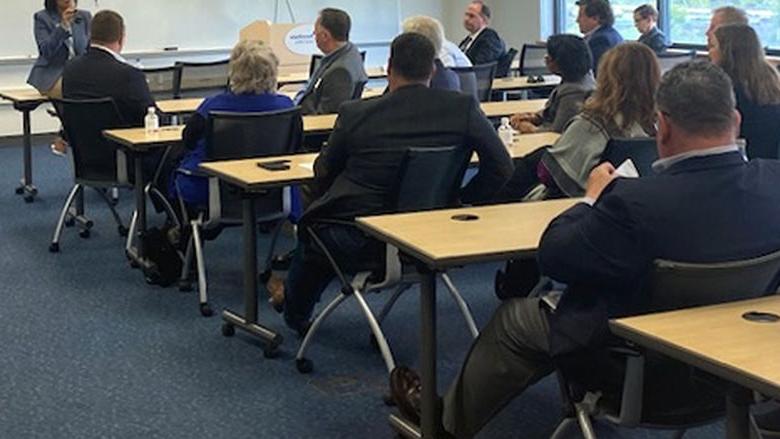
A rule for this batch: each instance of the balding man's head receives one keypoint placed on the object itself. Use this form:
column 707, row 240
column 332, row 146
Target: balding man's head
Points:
column 723, row 16
column 476, row 17
column 696, row 108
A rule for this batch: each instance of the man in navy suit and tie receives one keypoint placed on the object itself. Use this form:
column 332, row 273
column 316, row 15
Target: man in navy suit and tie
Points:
column 596, row 20
column 706, row 204
column 482, row 45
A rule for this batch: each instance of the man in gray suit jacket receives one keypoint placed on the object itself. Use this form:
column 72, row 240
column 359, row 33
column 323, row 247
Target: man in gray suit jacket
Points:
column 340, row 74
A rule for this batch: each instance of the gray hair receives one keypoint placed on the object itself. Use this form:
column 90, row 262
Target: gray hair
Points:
column 253, row 68
column 697, row 96
column 731, row 15
column 428, row 27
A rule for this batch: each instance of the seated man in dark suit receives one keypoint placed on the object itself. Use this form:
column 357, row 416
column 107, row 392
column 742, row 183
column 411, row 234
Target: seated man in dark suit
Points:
column 337, row 77
column 603, row 247
column 352, row 180
column 595, row 20
column 482, row 45
column 102, row 72
column 645, row 21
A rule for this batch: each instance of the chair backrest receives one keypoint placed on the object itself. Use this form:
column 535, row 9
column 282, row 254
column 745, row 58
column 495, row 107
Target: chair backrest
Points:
column 532, row 60
column 316, row 59
column 667, row 60
column 505, row 63
column 358, row 92
column 162, row 81
column 674, row 285
column 430, row 178
column 200, row 76
column 643, row 151
column 94, row 156
column 232, row 136
column 477, row 80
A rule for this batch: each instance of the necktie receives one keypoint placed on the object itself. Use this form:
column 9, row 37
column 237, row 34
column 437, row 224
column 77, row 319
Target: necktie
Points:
column 465, row 43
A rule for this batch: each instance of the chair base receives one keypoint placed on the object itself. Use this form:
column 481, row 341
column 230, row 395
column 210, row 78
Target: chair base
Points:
column 404, row 428
column 271, row 339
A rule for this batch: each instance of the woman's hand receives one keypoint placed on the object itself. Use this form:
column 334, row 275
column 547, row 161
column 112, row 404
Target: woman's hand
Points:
column 68, row 15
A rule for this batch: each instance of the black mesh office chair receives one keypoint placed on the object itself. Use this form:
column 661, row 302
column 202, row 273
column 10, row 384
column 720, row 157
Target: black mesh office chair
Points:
column 477, row 80
column 162, row 81
column 316, row 59
column 200, row 77
column 643, row 151
column 97, row 163
column 359, row 88
column 429, row 178
column 655, row 391
column 667, row 60
column 504, row 66
column 532, row 60
column 232, row 136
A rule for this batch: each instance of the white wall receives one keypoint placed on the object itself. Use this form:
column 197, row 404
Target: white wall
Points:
column 517, row 21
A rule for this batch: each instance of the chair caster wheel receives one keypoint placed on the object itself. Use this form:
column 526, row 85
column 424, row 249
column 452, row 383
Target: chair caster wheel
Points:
column 271, row 352
column 228, row 330
column 28, row 199
column 70, row 222
column 122, row 230
column 84, row 233
column 388, row 400
column 134, row 265
column 304, row 365
column 185, row 286
column 54, row 247
column 205, row 310
column 19, row 190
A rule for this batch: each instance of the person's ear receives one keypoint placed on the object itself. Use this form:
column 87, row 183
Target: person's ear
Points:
column 737, row 122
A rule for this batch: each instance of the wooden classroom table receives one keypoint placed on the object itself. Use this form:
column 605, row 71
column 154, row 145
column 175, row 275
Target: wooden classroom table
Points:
column 442, row 239
column 376, row 72
column 719, row 340
column 25, row 101
column 520, row 83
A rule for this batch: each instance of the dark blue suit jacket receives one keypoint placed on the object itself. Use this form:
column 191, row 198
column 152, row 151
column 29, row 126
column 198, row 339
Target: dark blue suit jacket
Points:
column 703, row 209
column 605, row 38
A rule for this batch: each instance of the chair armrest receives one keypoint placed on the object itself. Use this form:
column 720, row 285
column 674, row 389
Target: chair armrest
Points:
column 190, row 173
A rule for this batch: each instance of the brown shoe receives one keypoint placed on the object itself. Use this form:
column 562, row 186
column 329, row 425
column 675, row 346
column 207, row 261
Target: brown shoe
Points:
column 275, row 288
column 405, row 388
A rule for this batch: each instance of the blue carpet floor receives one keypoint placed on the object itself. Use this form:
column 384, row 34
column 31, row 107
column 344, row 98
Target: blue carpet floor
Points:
column 89, row 350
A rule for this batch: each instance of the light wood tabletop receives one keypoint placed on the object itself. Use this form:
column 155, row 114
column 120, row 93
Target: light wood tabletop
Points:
column 23, row 95
column 138, row 139
column 486, row 233
column 250, row 176
column 715, row 339
column 179, row 106
column 521, row 83
column 508, row 108
column 376, row 72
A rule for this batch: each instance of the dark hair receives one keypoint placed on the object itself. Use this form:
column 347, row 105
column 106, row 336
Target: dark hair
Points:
column 571, row 54
column 600, row 9
column 484, row 9
column 107, row 27
column 337, row 22
column 51, row 6
column 742, row 58
column 411, row 56
column 646, row 11
column 698, row 97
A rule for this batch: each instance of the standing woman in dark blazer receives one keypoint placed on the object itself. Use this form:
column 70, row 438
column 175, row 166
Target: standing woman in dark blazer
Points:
column 61, row 33
column 737, row 49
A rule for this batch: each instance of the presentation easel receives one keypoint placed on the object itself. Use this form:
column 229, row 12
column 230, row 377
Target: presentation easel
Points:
column 293, row 43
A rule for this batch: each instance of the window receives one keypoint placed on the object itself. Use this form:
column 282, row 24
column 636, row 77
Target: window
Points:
column 687, row 20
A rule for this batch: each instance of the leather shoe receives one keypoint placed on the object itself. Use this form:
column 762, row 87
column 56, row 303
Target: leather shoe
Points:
column 275, row 287
column 405, row 388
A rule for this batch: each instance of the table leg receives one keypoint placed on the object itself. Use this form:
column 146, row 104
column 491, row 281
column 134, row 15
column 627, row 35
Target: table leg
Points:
column 738, row 412
column 26, row 189
column 249, row 322
column 429, row 419
column 137, row 253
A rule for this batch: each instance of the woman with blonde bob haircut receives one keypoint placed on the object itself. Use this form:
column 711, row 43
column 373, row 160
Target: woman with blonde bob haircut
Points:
column 622, row 106
column 737, row 49
column 253, row 70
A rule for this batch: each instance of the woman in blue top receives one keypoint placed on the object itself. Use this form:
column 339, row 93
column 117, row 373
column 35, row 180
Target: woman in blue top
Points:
column 253, row 70
column 61, row 33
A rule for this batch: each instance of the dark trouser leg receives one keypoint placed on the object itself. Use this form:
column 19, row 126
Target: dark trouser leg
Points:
column 523, row 179
column 511, row 353
column 311, row 272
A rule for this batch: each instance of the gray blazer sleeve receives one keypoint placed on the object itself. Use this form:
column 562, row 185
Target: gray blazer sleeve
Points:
column 335, row 87
column 569, row 105
column 49, row 36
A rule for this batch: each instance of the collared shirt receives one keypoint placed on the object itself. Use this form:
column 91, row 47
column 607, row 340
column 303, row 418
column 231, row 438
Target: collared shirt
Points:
column 472, row 37
column 661, row 165
column 116, row 56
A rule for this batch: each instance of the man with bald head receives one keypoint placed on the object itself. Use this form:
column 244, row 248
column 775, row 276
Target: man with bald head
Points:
column 724, row 16
column 604, row 247
column 482, row 45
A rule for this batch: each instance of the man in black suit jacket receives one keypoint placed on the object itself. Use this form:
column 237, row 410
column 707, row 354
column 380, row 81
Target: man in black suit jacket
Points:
column 352, row 179
column 482, row 45
column 595, row 19
column 102, row 72
column 706, row 204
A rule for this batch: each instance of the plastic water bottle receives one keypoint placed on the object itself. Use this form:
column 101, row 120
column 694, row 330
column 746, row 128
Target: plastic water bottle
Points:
column 505, row 132
column 151, row 121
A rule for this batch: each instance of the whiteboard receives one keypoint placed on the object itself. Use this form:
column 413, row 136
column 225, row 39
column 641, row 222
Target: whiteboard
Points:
column 199, row 24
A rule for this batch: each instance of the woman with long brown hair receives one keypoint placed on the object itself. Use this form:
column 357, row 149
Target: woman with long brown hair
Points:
column 622, row 106
column 737, row 49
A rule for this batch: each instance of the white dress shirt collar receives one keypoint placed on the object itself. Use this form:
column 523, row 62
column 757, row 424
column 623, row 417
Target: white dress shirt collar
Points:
column 661, row 165
column 116, row 56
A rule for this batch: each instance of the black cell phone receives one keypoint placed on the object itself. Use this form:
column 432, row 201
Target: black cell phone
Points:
column 275, row 165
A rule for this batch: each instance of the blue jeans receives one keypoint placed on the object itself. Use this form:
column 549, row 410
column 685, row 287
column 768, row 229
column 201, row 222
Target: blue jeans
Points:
column 311, row 272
